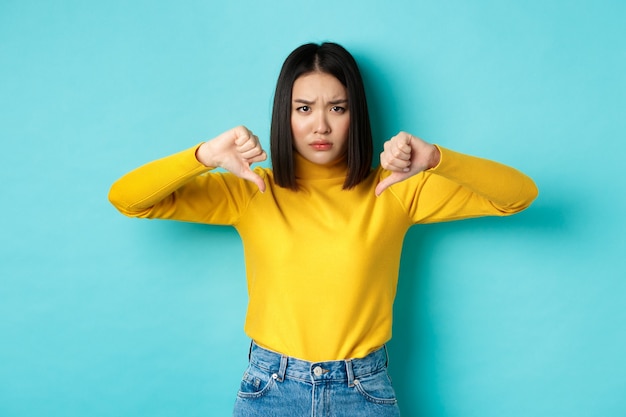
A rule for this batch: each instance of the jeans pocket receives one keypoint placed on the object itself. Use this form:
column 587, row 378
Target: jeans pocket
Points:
column 255, row 383
column 376, row 388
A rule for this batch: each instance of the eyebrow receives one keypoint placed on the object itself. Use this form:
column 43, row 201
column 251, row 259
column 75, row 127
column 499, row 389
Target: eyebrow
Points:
column 334, row 102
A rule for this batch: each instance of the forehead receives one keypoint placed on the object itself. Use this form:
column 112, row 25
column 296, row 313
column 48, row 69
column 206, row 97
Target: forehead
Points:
column 314, row 84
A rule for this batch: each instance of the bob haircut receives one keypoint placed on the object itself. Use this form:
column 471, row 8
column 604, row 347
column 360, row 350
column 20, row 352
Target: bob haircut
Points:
column 333, row 59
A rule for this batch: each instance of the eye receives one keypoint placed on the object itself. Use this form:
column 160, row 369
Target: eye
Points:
column 338, row 109
column 303, row 109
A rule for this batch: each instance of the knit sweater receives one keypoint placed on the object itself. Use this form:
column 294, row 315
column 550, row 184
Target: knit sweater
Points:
column 322, row 262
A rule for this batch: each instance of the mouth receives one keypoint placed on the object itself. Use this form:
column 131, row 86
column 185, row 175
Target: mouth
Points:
column 321, row 145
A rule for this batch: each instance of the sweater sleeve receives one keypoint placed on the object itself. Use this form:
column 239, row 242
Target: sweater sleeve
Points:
column 179, row 187
column 463, row 186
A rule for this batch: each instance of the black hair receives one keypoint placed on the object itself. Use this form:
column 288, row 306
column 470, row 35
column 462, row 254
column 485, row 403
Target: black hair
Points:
column 335, row 60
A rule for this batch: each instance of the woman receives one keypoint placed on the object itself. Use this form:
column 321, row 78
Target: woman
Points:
column 322, row 231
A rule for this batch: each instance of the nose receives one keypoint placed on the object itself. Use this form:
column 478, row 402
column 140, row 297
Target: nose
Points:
column 322, row 126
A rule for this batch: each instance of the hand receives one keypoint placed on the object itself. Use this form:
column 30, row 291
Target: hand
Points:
column 234, row 150
column 406, row 155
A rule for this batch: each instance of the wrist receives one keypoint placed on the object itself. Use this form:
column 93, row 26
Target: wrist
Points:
column 203, row 155
column 435, row 157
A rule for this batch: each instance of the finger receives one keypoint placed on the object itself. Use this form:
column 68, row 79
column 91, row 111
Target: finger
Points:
column 390, row 163
column 252, row 176
column 405, row 138
column 384, row 184
column 241, row 133
column 250, row 148
column 245, row 143
column 401, row 152
column 381, row 186
column 400, row 147
column 243, row 136
column 259, row 157
column 389, row 181
column 401, row 140
column 251, row 152
column 395, row 148
column 398, row 165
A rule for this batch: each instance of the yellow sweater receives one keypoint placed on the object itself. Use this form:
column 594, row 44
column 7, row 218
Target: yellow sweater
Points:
column 321, row 263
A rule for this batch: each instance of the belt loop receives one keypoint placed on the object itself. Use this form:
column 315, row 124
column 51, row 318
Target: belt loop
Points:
column 349, row 372
column 283, row 368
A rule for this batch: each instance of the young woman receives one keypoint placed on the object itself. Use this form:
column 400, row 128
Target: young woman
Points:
column 322, row 231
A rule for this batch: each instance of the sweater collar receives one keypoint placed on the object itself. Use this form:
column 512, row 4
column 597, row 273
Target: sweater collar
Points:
column 305, row 169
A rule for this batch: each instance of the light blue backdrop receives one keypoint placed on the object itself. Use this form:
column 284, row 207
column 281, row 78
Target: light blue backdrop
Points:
column 101, row 315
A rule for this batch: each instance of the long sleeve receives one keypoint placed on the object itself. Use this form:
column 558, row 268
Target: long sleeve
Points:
column 178, row 187
column 463, row 186
column 138, row 191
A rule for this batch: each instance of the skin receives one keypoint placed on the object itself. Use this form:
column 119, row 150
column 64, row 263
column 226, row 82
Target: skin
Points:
column 406, row 155
column 234, row 150
column 320, row 120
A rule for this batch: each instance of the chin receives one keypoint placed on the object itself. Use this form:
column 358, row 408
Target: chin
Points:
column 323, row 159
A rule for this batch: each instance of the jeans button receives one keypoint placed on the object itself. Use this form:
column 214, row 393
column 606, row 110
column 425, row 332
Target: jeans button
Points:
column 317, row 371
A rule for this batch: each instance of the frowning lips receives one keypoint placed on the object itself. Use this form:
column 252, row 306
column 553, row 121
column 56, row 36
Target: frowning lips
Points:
column 321, row 145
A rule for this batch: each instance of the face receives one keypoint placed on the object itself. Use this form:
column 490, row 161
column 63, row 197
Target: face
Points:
column 320, row 118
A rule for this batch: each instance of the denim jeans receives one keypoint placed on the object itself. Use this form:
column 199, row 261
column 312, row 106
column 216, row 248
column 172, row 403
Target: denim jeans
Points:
column 277, row 385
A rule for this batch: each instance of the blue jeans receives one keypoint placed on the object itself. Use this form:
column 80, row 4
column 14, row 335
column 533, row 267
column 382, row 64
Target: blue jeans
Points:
column 278, row 385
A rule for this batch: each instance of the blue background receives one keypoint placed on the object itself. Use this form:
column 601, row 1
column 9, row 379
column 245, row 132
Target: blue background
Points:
column 101, row 315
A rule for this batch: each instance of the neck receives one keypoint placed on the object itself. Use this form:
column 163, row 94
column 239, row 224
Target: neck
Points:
column 306, row 169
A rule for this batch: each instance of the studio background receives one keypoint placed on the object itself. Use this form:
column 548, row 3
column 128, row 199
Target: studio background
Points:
column 101, row 315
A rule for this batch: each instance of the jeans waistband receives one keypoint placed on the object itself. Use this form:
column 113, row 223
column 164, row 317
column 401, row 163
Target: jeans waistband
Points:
column 348, row 370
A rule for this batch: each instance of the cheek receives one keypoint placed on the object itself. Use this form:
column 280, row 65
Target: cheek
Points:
column 297, row 127
column 299, row 134
column 345, row 127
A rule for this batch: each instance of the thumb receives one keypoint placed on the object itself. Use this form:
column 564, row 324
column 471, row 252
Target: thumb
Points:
column 248, row 174
column 393, row 178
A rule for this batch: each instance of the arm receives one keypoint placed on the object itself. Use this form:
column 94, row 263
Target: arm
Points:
column 506, row 189
column 174, row 180
column 448, row 185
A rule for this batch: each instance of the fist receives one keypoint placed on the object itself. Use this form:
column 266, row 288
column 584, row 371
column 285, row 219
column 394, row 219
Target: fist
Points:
column 406, row 155
column 234, row 150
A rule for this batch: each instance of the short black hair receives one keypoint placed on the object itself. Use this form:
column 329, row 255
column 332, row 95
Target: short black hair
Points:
column 335, row 60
